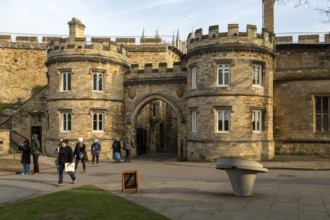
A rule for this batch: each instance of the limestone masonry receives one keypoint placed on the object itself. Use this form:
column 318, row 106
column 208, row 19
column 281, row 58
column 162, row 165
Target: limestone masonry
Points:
column 222, row 93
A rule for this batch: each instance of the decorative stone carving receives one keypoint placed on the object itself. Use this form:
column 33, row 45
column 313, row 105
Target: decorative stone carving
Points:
column 180, row 91
column 131, row 92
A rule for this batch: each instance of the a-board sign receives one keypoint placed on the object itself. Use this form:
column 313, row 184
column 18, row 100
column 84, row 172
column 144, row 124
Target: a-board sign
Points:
column 130, row 180
column 88, row 156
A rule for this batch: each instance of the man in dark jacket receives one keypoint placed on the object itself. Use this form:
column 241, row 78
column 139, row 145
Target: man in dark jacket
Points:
column 65, row 156
column 96, row 148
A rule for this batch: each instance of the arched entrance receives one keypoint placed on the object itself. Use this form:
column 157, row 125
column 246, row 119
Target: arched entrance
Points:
column 156, row 124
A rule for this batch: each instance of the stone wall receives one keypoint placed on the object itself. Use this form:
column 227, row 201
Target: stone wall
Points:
column 22, row 63
column 240, row 97
column 150, row 84
column 302, row 72
column 22, row 120
column 75, row 56
column 4, row 141
column 154, row 54
column 82, row 102
column 303, row 148
column 22, row 66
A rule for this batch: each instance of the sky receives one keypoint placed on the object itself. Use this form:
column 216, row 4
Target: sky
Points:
column 130, row 17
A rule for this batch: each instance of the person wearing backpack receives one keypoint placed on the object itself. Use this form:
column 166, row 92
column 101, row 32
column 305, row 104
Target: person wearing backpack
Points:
column 128, row 145
column 35, row 151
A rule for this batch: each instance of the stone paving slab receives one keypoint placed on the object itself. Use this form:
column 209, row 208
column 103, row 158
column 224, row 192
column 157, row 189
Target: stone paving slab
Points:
column 192, row 192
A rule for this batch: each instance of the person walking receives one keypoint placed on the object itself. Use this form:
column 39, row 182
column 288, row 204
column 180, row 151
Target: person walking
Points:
column 65, row 156
column 80, row 154
column 96, row 148
column 57, row 151
column 116, row 149
column 128, row 145
column 26, row 156
column 35, row 151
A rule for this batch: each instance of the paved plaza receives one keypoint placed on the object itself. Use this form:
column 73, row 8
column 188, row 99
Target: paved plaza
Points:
column 182, row 190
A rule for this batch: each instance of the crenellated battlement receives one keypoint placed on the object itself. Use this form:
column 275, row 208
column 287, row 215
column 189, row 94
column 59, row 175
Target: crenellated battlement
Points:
column 232, row 36
column 26, row 39
column 42, row 42
column 304, row 39
column 162, row 73
column 24, row 42
column 97, row 45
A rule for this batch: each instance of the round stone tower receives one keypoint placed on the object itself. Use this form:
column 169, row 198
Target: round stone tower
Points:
column 85, row 89
column 230, row 93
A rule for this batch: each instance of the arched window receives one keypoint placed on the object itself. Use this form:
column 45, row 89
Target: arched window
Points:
column 98, row 121
column 97, row 82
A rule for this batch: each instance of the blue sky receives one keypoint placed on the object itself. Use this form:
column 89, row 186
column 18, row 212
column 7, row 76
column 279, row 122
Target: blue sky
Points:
column 129, row 17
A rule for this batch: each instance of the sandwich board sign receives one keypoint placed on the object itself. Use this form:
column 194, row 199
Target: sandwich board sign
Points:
column 130, row 180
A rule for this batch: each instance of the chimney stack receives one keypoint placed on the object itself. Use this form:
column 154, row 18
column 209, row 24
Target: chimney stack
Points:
column 76, row 29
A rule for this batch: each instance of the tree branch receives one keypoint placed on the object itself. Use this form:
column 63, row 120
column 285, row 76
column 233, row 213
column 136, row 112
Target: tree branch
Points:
column 324, row 11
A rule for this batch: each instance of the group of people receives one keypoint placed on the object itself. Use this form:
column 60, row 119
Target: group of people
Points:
column 27, row 150
column 116, row 149
column 65, row 155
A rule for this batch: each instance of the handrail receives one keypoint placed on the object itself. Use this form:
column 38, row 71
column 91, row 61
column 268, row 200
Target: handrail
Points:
column 5, row 121
column 15, row 132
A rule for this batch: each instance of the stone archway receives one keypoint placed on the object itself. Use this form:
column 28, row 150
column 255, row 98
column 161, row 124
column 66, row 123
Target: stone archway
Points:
column 131, row 119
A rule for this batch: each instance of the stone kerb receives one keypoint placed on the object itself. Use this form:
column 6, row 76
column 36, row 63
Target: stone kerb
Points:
column 232, row 36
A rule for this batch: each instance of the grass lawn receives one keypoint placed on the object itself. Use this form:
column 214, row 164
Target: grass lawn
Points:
column 87, row 202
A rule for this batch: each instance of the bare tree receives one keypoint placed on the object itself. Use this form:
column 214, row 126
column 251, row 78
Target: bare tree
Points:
column 324, row 11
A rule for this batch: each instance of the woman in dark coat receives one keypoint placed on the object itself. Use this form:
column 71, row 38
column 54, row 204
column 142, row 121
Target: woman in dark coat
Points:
column 116, row 148
column 80, row 154
column 26, row 156
column 65, row 156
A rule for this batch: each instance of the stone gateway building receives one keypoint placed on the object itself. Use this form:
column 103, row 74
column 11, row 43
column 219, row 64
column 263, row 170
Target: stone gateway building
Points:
column 219, row 94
